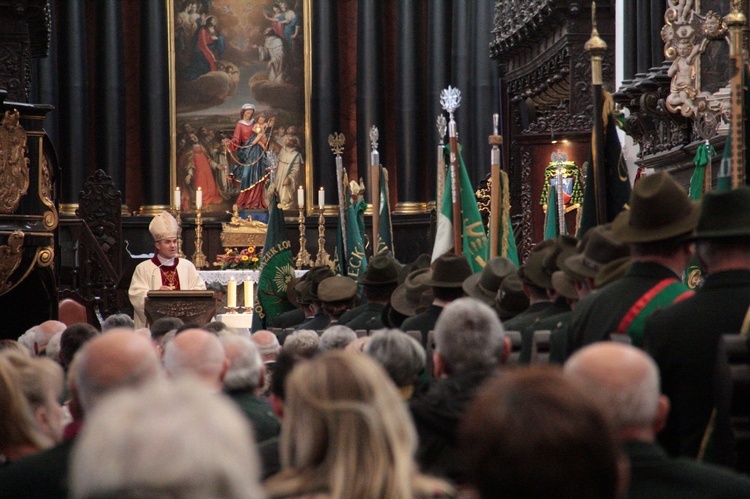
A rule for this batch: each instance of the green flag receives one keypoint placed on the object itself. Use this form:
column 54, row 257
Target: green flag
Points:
column 551, row 229
column 356, row 261
column 276, row 270
column 474, row 240
column 385, row 233
column 616, row 179
column 694, row 272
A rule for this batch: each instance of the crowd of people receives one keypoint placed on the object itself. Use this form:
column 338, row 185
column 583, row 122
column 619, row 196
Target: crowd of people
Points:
column 400, row 384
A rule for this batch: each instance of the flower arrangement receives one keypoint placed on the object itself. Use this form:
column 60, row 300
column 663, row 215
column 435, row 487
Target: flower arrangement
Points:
column 245, row 259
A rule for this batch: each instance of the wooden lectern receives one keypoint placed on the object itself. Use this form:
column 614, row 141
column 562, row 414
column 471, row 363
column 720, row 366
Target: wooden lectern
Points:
column 193, row 307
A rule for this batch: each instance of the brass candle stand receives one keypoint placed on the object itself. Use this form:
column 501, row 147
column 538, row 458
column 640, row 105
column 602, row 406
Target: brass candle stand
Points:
column 180, row 254
column 199, row 259
column 303, row 257
column 323, row 256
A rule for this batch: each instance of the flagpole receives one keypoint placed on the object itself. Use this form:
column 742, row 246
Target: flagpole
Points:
column 495, row 141
column 375, row 188
column 441, row 129
column 596, row 48
column 450, row 99
column 736, row 21
column 336, row 141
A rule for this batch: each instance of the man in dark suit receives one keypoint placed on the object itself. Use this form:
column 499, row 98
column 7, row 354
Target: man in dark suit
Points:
column 685, row 338
column 378, row 282
column 307, row 296
column 657, row 227
column 625, row 381
column 446, row 277
column 118, row 359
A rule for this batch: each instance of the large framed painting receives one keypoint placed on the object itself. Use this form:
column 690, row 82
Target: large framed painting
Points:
column 240, row 87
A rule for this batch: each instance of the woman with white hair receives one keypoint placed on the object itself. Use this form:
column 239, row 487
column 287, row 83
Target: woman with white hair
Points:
column 346, row 433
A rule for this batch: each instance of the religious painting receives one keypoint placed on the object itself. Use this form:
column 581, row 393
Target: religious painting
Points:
column 239, row 84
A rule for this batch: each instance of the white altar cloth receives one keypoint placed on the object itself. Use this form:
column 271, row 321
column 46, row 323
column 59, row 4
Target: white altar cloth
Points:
column 222, row 276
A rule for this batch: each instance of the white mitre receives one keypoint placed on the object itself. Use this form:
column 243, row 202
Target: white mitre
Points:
column 163, row 226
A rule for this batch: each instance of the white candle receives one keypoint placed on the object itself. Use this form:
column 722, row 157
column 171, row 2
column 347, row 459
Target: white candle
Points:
column 248, row 289
column 301, row 197
column 199, row 198
column 321, row 198
column 252, row 295
column 177, row 198
column 156, row 279
column 232, row 293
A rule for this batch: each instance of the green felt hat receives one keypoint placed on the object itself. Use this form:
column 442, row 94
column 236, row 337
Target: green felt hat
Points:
column 724, row 214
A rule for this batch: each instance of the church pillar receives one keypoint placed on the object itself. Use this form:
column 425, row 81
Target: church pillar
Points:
column 110, row 92
column 438, row 76
column 74, row 140
column 369, row 84
column 155, row 110
column 325, row 94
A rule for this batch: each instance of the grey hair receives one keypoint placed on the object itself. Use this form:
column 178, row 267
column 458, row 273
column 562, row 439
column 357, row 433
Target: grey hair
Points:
column 401, row 355
column 117, row 321
column 206, row 362
column 336, row 337
column 149, row 453
column 468, row 335
column 302, row 341
column 53, row 346
column 272, row 348
column 245, row 363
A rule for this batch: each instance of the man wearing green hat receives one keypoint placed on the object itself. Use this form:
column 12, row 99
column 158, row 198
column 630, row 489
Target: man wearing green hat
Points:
column 657, row 227
column 684, row 338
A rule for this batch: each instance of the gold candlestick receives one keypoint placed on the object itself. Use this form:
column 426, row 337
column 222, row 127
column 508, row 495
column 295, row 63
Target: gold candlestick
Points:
column 303, row 257
column 180, row 254
column 199, row 259
column 323, row 257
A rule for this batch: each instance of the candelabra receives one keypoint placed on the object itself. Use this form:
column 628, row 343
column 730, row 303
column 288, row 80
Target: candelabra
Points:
column 180, row 254
column 199, row 259
column 323, row 257
column 303, row 257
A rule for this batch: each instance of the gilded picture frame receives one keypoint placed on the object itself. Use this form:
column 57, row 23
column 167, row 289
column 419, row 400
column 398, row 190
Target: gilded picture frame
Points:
column 240, row 88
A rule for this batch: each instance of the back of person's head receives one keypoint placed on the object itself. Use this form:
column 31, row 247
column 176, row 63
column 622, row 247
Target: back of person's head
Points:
column 197, row 353
column 43, row 333
column 401, row 355
column 468, row 336
column 16, row 346
column 267, row 343
column 623, row 379
column 163, row 325
column 218, row 328
column 73, row 339
column 336, row 337
column 303, row 342
column 532, row 433
column 245, row 365
column 118, row 359
column 17, row 429
column 41, row 380
column 53, row 347
column 283, row 368
column 165, row 440
column 116, row 321
column 342, row 415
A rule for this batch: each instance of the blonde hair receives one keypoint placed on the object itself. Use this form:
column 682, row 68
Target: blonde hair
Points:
column 342, row 415
column 16, row 420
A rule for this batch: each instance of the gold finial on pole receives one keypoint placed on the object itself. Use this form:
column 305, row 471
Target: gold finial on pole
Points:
column 736, row 22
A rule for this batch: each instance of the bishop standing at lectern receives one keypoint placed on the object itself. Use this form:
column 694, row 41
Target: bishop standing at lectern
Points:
column 164, row 271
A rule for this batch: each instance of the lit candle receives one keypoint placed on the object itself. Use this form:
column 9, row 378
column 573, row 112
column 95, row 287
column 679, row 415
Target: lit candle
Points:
column 252, row 295
column 301, row 197
column 199, row 198
column 177, row 198
column 248, row 289
column 321, row 198
column 232, row 293
column 156, row 279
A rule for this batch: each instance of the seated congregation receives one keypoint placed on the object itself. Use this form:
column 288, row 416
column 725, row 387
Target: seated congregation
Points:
column 590, row 371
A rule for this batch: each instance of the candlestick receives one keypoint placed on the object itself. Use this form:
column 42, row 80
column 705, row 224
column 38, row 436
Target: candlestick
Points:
column 301, row 197
column 303, row 257
column 232, row 294
column 323, row 257
column 248, row 292
column 199, row 198
column 321, row 198
column 199, row 259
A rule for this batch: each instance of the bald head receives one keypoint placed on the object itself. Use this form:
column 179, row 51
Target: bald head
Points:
column 624, row 379
column 198, row 353
column 267, row 343
column 44, row 332
column 117, row 359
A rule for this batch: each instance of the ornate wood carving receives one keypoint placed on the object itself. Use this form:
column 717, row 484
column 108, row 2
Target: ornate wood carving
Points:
column 526, row 205
column 14, row 165
column 10, row 259
column 25, row 30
